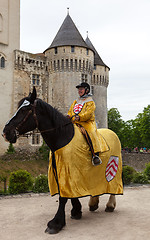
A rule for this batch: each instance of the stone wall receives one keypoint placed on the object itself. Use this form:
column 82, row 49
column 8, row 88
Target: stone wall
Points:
column 136, row 160
column 9, row 41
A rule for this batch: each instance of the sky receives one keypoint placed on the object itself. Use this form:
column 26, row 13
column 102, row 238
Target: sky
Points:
column 119, row 31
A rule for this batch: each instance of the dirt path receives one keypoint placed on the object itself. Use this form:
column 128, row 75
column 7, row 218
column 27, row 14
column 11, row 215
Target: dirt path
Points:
column 25, row 218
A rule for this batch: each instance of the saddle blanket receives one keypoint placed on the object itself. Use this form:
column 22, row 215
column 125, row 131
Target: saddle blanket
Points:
column 75, row 176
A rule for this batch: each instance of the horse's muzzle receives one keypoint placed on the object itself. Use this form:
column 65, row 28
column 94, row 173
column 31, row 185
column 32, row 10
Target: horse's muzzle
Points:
column 10, row 136
column 4, row 136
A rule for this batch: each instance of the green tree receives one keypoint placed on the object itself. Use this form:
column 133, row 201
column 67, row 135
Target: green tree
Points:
column 145, row 127
column 141, row 128
column 127, row 134
column 136, row 131
column 115, row 123
column 132, row 133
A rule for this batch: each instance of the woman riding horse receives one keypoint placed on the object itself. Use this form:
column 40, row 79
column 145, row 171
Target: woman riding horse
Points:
column 82, row 111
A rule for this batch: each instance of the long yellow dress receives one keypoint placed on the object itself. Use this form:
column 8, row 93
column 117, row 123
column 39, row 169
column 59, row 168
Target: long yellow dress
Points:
column 77, row 177
column 85, row 109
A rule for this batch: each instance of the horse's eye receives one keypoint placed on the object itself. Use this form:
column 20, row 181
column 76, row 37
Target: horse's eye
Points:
column 23, row 109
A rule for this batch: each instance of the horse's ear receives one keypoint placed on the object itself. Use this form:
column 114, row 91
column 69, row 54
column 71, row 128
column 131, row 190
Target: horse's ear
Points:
column 29, row 95
column 33, row 95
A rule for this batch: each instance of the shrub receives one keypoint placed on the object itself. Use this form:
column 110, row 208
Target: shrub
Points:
column 147, row 170
column 41, row 184
column 140, row 178
column 127, row 174
column 44, row 151
column 20, row 182
column 3, row 178
column 11, row 148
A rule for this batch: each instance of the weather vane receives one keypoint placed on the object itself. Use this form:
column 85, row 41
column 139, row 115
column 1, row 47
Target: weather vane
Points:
column 68, row 10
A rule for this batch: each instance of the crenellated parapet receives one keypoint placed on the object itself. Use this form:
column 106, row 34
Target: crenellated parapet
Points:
column 100, row 76
column 70, row 59
column 30, row 70
column 26, row 61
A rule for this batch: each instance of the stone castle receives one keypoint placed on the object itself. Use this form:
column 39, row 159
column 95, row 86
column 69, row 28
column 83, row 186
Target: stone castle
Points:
column 68, row 61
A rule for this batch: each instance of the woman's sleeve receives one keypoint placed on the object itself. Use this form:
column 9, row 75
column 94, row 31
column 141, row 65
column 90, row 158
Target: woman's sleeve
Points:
column 88, row 111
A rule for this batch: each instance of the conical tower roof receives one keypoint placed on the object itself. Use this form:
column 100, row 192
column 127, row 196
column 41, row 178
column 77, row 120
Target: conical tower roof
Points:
column 68, row 35
column 97, row 58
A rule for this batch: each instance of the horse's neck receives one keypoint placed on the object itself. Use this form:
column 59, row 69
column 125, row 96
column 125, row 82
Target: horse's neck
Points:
column 55, row 134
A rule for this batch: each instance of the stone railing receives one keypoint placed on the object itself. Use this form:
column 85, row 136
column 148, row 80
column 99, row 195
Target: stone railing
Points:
column 136, row 160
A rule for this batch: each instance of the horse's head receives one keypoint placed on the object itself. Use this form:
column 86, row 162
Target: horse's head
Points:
column 23, row 120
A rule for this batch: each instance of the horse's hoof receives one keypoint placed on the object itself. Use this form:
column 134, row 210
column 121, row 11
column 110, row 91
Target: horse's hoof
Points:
column 77, row 216
column 51, row 230
column 93, row 208
column 109, row 209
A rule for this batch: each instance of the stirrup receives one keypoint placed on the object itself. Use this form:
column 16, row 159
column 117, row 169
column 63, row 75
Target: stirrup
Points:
column 96, row 160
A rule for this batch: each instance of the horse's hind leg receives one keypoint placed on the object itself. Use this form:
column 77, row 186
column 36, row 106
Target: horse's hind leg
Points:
column 93, row 203
column 76, row 210
column 110, row 206
column 58, row 222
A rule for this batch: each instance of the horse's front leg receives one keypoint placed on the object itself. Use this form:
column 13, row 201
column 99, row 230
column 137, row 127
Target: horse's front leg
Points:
column 110, row 206
column 58, row 222
column 76, row 210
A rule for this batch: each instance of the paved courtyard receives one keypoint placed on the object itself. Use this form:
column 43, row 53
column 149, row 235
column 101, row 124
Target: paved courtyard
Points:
column 24, row 217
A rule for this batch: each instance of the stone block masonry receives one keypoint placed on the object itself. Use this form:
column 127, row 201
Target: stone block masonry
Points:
column 136, row 160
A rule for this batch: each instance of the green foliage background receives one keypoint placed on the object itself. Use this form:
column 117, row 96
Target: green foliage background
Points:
column 132, row 133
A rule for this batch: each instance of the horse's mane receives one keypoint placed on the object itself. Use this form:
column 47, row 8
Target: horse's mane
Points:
column 54, row 113
column 56, row 116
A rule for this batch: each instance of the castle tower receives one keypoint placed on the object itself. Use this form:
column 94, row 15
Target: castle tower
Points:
column 71, row 61
column 9, row 41
column 68, row 61
column 99, row 83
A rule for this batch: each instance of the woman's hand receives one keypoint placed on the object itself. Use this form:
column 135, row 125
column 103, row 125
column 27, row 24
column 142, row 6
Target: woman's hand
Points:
column 68, row 116
column 77, row 118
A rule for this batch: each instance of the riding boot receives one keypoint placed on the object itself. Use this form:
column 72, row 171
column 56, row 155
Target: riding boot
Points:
column 96, row 159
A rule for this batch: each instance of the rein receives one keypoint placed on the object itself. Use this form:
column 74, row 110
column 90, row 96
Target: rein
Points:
column 33, row 110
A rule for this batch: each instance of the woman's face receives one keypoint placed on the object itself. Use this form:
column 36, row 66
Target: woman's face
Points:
column 81, row 91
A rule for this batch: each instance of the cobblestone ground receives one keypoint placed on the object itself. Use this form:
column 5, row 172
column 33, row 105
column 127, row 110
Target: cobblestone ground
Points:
column 25, row 217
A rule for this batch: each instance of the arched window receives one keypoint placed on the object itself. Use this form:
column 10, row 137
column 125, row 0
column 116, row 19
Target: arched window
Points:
column 76, row 64
column 54, row 65
column 58, row 65
column 56, row 51
column 79, row 64
column 83, row 65
column 72, row 49
column 97, row 79
column 2, row 62
column 94, row 78
column 86, row 65
column 67, row 64
column 71, row 64
column 35, row 138
column 62, row 64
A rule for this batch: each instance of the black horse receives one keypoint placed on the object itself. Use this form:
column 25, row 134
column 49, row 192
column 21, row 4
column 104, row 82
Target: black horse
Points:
column 57, row 131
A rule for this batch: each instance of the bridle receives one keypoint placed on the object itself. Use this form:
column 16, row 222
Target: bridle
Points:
column 33, row 111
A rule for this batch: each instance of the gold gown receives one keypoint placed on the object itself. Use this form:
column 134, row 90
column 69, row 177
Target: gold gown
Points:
column 87, row 119
column 77, row 177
